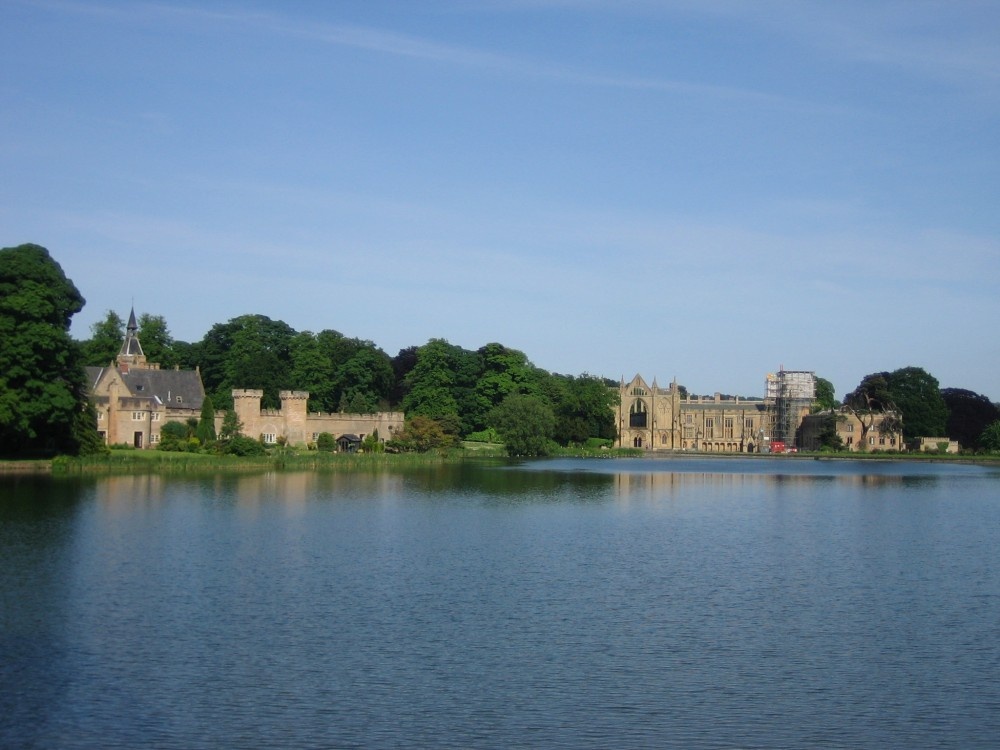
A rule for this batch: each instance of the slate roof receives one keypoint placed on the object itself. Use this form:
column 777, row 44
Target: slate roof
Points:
column 175, row 388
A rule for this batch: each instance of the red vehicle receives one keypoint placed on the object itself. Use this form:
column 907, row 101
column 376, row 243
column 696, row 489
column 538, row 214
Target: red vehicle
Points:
column 777, row 446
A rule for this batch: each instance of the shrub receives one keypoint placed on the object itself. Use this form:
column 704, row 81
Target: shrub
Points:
column 326, row 442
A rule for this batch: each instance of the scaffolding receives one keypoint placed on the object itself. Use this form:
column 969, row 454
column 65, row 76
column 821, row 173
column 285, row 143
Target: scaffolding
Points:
column 790, row 393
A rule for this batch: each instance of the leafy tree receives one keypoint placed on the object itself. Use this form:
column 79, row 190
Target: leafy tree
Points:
column 431, row 382
column 421, row 433
column 250, row 351
column 990, row 438
column 918, row 399
column 312, row 371
column 243, row 446
column 205, row 431
column 869, row 400
column 969, row 413
column 526, row 424
column 231, row 426
column 173, row 437
column 825, row 395
column 105, row 341
column 42, row 384
column 365, row 378
column 372, row 444
column 829, row 440
column 326, row 442
column 157, row 343
column 584, row 409
column 502, row 372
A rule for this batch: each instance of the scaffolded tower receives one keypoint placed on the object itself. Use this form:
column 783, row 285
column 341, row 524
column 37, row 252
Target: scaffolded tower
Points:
column 790, row 394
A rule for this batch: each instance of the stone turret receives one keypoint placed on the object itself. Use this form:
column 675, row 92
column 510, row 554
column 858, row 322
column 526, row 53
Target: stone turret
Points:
column 294, row 411
column 246, row 404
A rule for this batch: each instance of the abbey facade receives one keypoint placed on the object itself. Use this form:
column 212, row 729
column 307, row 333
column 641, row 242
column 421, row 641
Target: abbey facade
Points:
column 134, row 398
column 656, row 418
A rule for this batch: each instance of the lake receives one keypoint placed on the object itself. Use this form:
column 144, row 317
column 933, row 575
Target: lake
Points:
column 566, row 603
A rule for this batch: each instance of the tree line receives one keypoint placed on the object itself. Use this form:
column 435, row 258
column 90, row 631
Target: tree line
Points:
column 452, row 393
column 910, row 401
column 447, row 392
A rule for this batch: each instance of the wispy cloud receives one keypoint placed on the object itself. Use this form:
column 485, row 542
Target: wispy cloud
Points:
column 389, row 42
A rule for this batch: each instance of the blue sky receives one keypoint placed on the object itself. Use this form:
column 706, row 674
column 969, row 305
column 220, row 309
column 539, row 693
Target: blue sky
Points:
column 703, row 189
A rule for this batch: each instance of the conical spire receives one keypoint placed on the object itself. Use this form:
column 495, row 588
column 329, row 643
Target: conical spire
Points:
column 131, row 349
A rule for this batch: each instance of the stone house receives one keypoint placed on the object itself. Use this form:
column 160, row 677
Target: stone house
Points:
column 849, row 430
column 135, row 398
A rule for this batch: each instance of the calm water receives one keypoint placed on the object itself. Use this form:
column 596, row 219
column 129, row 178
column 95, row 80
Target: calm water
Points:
column 558, row 604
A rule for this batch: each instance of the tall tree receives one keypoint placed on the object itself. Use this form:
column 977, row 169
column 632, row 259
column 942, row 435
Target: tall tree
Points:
column 431, row 381
column 250, row 351
column 105, row 341
column 43, row 399
column 916, row 394
column 868, row 401
column 969, row 413
column 525, row 424
column 205, row 431
column 157, row 343
column 825, row 395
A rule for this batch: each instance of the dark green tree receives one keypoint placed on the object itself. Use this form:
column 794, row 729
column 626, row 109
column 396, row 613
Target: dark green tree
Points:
column 42, row 384
column 231, row 426
column 969, row 413
column 868, row 401
column 917, row 397
column 312, row 372
column 250, row 351
column 990, row 438
column 105, row 341
column 431, row 382
column 526, row 424
column 157, row 343
column 825, row 395
column 205, row 431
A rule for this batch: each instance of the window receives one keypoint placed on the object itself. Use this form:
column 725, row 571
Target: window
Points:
column 315, row 435
column 154, row 438
column 100, row 416
column 850, row 441
column 638, row 392
column 709, row 427
column 178, row 399
column 138, row 416
column 637, row 414
column 881, row 441
column 269, row 438
column 871, row 441
column 663, row 439
column 728, row 427
column 748, row 423
column 155, row 416
column 688, row 419
column 850, row 426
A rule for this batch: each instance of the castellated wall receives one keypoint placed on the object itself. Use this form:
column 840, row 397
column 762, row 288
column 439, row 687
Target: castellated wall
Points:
column 295, row 423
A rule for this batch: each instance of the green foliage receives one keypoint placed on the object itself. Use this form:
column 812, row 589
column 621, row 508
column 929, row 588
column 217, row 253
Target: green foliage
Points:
column 431, row 382
column 489, row 435
column 243, row 446
column 526, row 425
column 969, row 413
column 231, row 426
column 326, row 442
column 205, row 431
column 917, row 397
column 372, row 444
column 250, row 351
column 870, row 398
column 175, row 436
column 829, row 440
column 990, row 438
column 157, row 343
column 42, row 386
column 105, row 341
column 825, row 395
column 421, row 434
